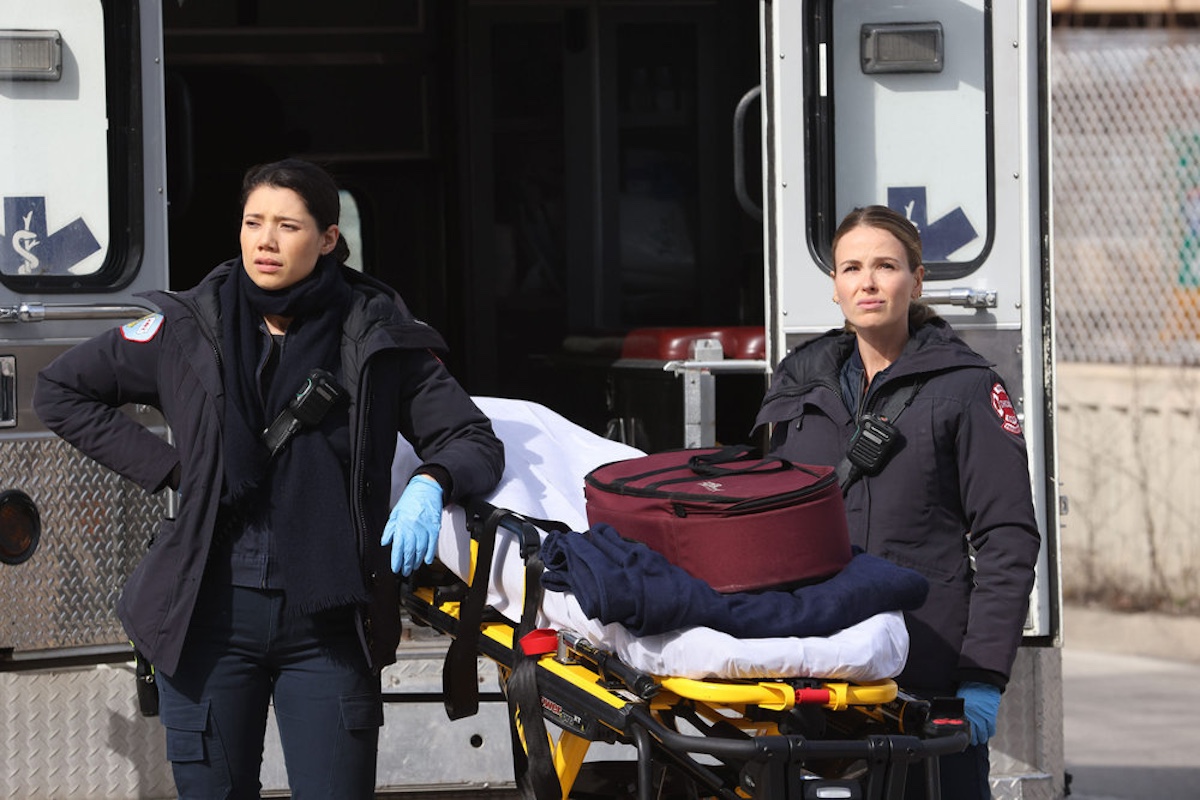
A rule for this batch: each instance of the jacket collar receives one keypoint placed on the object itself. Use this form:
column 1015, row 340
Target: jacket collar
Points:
column 934, row 347
column 378, row 317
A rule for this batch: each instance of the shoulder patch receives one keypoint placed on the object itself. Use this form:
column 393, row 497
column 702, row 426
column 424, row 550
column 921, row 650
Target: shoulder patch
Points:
column 1004, row 409
column 142, row 330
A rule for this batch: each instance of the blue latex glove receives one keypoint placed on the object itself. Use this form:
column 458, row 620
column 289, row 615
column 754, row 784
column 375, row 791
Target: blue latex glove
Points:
column 981, row 703
column 412, row 529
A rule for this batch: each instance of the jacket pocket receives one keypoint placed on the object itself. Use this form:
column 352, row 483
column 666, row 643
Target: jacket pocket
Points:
column 948, row 572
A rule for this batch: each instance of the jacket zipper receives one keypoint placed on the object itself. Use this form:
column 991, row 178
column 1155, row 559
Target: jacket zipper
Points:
column 358, row 499
column 203, row 324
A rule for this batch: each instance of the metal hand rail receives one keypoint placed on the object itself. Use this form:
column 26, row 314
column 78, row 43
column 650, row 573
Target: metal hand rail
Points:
column 968, row 298
column 40, row 312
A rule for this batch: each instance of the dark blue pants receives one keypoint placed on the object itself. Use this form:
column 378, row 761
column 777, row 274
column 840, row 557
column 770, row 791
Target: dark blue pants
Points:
column 241, row 653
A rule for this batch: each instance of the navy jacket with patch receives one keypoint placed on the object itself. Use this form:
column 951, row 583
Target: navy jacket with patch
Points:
column 959, row 481
column 396, row 384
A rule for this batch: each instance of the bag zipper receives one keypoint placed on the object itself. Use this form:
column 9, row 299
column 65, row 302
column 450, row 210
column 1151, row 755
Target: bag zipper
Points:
column 735, row 505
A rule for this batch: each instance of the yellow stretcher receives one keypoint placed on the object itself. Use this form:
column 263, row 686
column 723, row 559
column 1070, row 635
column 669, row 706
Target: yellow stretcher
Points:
column 771, row 739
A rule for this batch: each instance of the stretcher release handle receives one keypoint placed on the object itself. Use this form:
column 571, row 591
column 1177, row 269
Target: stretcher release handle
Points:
column 812, row 696
column 572, row 646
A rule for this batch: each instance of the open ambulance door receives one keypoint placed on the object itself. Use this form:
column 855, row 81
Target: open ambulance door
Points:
column 82, row 193
column 939, row 110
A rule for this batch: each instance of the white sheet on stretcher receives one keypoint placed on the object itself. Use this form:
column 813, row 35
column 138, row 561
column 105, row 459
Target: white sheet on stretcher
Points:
column 546, row 459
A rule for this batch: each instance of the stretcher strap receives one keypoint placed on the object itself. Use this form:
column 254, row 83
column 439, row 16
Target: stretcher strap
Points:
column 460, row 673
column 533, row 763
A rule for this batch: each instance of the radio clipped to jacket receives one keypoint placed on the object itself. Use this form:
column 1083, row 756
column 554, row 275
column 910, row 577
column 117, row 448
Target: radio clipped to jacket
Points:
column 876, row 438
column 872, row 444
column 317, row 394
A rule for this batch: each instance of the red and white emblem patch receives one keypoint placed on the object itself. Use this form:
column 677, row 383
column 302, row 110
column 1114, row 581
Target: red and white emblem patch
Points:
column 1004, row 409
column 142, row 330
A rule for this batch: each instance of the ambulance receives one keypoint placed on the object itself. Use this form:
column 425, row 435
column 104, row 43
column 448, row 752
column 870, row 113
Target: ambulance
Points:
column 620, row 210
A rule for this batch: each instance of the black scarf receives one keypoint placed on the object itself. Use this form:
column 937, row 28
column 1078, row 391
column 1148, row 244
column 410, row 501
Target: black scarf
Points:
column 300, row 496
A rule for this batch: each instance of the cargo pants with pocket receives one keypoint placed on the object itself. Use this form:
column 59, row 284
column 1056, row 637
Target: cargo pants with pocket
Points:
column 243, row 653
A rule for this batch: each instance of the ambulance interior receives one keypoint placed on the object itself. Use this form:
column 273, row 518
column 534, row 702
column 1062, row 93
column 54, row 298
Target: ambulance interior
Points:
column 537, row 180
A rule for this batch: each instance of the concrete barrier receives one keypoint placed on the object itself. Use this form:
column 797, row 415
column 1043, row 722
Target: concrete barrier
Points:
column 1129, row 468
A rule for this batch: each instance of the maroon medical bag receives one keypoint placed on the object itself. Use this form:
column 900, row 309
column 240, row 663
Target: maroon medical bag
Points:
column 732, row 519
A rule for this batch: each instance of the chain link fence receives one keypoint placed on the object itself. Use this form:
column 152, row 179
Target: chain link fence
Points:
column 1126, row 160
column 1126, row 150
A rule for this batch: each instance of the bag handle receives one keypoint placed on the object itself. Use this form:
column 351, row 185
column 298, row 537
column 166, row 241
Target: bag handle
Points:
column 708, row 465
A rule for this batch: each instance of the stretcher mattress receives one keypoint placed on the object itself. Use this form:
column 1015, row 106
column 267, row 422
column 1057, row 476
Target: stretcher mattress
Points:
column 546, row 459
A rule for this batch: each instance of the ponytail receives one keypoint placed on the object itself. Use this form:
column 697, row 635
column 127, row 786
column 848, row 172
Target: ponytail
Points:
column 341, row 250
column 920, row 312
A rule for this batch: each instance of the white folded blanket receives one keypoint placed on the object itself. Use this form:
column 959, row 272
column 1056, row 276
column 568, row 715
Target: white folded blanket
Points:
column 546, row 459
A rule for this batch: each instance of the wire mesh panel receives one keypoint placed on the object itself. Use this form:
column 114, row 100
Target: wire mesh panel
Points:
column 1126, row 154
column 1126, row 149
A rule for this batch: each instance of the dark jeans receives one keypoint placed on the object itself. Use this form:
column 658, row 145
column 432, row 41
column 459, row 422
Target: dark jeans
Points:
column 241, row 653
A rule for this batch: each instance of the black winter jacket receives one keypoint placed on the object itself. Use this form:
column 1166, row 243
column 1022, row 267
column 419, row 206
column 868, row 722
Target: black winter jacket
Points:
column 395, row 382
column 958, row 482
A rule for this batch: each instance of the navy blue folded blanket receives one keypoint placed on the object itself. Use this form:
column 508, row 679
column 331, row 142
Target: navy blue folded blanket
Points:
column 617, row 580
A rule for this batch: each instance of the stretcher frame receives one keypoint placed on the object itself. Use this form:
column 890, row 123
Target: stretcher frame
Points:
column 775, row 739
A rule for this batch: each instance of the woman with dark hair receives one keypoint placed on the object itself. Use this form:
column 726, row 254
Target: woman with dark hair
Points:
column 949, row 496
column 285, row 377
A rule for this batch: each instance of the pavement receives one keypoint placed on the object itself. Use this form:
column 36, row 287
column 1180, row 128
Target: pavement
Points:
column 1131, row 697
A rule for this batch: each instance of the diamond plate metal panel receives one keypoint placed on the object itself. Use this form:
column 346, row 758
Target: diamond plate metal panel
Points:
column 95, row 527
column 70, row 734
column 419, row 746
column 78, row 734
column 1027, row 751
